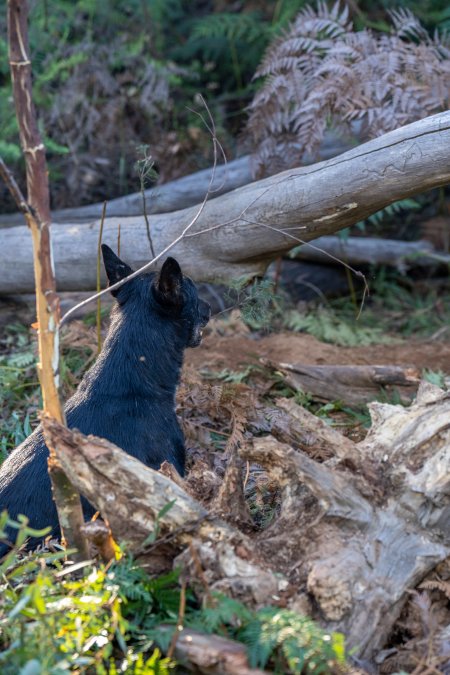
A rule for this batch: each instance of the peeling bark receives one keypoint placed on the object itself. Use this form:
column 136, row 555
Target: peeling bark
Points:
column 130, row 496
column 363, row 554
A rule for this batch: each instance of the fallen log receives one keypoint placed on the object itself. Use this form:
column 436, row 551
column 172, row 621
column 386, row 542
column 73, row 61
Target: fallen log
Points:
column 238, row 233
column 358, row 251
column 352, row 385
column 177, row 194
column 211, row 654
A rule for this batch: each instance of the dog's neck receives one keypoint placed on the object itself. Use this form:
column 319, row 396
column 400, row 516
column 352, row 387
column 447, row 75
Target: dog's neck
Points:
column 141, row 357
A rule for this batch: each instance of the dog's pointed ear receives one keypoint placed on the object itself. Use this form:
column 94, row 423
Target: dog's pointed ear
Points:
column 115, row 268
column 170, row 280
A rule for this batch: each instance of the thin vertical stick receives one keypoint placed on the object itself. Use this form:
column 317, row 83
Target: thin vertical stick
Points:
column 99, row 300
column 38, row 218
column 180, row 620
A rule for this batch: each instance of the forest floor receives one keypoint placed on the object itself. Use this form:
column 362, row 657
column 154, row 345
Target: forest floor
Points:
column 227, row 385
column 239, row 350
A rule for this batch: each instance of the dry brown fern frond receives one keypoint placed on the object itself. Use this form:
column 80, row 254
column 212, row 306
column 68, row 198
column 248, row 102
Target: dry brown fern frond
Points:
column 321, row 73
column 436, row 585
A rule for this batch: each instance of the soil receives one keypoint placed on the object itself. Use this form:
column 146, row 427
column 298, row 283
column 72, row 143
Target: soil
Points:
column 234, row 352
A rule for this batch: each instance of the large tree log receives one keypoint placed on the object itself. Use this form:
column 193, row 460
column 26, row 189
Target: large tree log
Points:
column 240, row 232
column 372, row 251
column 177, row 194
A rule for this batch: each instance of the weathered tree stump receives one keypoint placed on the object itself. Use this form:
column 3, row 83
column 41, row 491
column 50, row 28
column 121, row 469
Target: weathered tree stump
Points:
column 355, row 533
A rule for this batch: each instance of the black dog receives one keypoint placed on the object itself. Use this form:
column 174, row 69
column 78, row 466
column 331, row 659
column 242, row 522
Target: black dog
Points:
column 128, row 396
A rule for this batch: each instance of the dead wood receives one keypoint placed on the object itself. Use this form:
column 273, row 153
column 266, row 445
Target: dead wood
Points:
column 131, row 496
column 358, row 531
column 365, row 251
column 353, row 385
column 238, row 233
column 212, row 654
column 230, row 501
column 361, row 556
column 180, row 193
column 301, row 429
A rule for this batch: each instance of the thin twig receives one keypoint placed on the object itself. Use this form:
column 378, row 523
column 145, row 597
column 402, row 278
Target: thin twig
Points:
column 145, row 166
column 99, row 302
column 180, row 620
column 357, row 273
column 13, row 188
column 200, row 573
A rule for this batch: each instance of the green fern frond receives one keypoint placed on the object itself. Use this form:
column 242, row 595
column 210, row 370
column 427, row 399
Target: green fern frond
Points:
column 232, row 27
column 21, row 360
column 303, row 644
column 327, row 327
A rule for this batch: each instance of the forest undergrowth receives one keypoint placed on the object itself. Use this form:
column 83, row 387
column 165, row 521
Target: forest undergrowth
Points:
column 108, row 619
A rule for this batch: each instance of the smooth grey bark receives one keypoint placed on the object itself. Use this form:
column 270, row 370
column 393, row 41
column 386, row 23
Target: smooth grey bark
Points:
column 372, row 251
column 180, row 193
column 239, row 233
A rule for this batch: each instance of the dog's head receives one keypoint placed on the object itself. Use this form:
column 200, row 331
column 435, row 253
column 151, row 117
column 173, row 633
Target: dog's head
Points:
column 175, row 295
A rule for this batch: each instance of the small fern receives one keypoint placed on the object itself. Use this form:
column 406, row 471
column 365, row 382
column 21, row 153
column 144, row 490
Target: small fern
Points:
column 21, row 360
column 394, row 209
column 301, row 644
column 327, row 327
column 256, row 301
column 292, row 643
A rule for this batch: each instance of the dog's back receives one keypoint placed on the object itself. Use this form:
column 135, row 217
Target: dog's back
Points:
column 128, row 396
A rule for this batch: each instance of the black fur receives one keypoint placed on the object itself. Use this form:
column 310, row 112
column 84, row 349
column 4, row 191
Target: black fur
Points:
column 128, row 396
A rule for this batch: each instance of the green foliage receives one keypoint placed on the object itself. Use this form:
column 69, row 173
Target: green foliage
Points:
column 283, row 639
column 228, row 375
column 399, row 304
column 325, row 325
column 296, row 641
column 152, row 537
column 14, row 431
column 53, row 622
column 109, row 619
column 377, row 219
column 225, row 47
column 436, row 377
column 256, row 301
column 19, row 387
